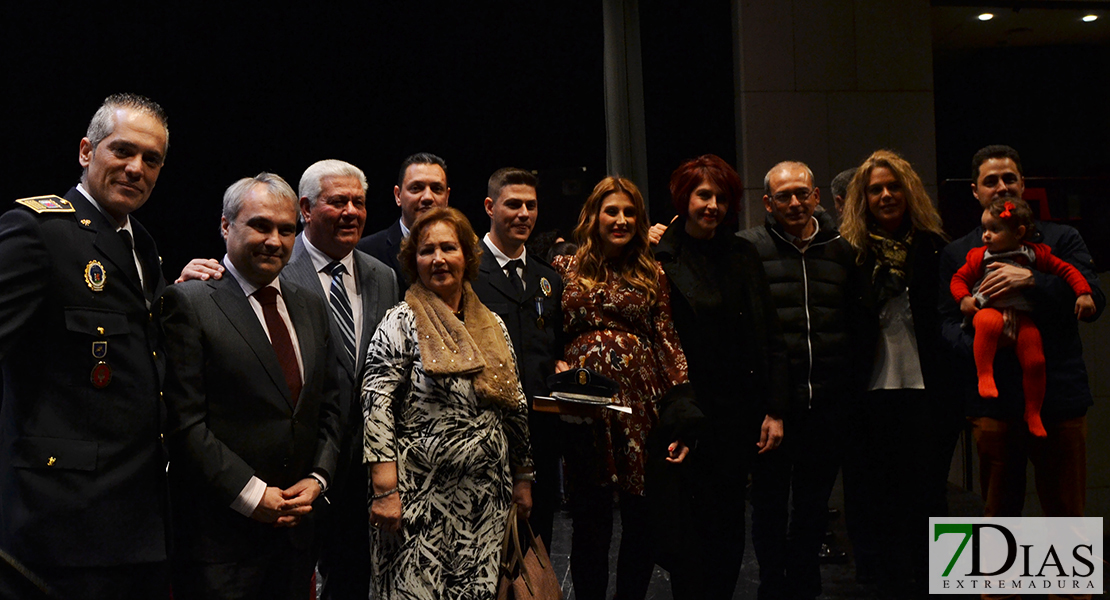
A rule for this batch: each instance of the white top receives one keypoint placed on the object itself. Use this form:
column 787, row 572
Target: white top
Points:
column 898, row 364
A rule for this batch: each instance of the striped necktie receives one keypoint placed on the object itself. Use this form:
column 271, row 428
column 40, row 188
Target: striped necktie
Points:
column 341, row 307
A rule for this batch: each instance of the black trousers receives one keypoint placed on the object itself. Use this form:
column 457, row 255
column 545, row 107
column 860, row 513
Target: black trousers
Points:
column 279, row 572
column 547, row 453
column 710, row 547
column 344, row 536
column 592, row 511
column 790, row 494
column 126, row 582
column 890, row 483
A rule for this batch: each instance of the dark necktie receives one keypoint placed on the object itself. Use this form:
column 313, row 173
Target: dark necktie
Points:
column 514, row 276
column 129, row 241
column 341, row 307
column 280, row 340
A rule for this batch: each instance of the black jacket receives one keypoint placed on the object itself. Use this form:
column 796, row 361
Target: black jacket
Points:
column 724, row 315
column 820, row 295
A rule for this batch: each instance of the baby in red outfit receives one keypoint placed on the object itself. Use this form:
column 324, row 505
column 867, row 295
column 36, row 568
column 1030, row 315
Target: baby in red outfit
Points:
column 1007, row 223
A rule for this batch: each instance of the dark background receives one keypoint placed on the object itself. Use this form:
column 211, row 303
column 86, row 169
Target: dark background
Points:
column 482, row 84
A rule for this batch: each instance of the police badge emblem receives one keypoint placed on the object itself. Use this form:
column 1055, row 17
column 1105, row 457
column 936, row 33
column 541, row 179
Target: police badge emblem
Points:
column 95, row 276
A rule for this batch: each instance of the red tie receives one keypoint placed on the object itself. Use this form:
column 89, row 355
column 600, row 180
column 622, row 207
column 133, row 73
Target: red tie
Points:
column 280, row 340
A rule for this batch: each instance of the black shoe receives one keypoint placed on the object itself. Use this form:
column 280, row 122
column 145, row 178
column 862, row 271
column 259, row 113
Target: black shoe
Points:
column 829, row 555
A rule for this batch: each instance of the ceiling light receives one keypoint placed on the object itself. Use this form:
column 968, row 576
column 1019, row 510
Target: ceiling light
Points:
column 986, row 17
column 1089, row 18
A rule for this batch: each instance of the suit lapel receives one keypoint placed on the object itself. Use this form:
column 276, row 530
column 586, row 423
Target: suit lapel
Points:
column 231, row 300
column 110, row 245
column 371, row 296
column 496, row 276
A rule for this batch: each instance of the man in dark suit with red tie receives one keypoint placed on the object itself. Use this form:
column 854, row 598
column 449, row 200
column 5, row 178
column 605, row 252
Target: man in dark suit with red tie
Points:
column 254, row 416
column 82, row 467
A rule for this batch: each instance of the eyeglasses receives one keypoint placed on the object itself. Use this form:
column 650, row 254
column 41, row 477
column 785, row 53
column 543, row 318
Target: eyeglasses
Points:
column 802, row 194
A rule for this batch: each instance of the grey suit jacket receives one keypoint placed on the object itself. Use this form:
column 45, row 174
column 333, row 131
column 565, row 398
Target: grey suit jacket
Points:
column 378, row 287
column 231, row 415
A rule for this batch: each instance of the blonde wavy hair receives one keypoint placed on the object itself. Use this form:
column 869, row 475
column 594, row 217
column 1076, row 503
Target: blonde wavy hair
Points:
column 854, row 223
column 636, row 264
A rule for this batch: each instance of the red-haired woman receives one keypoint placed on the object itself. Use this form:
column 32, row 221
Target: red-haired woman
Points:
column 723, row 311
column 618, row 319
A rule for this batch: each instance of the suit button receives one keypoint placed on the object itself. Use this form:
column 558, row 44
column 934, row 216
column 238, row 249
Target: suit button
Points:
column 285, row 464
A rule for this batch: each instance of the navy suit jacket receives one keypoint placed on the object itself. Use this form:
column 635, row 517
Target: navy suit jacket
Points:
column 231, row 414
column 82, row 469
column 384, row 246
column 537, row 348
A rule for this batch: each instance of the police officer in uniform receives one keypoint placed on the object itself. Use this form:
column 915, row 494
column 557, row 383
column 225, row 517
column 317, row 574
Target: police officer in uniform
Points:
column 525, row 292
column 82, row 466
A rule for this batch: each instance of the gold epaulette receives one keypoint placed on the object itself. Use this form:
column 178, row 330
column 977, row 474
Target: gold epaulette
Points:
column 47, row 204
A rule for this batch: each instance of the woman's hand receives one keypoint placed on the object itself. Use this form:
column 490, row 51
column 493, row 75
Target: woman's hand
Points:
column 676, row 452
column 968, row 306
column 522, row 497
column 385, row 513
column 561, row 365
column 770, row 435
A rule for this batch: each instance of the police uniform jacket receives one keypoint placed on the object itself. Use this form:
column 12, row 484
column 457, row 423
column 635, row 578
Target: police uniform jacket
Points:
column 82, row 467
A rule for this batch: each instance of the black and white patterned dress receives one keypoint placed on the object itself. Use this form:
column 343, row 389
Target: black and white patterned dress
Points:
column 453, row 455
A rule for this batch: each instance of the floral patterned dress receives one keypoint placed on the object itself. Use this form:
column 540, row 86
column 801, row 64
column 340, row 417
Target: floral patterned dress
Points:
column 453, row 455
column 613, row 330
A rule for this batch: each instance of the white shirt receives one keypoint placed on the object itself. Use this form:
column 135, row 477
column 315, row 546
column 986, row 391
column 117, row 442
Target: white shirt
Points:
column 251, row 494
column 503, row 259
column 897, row 364
column 320, row 262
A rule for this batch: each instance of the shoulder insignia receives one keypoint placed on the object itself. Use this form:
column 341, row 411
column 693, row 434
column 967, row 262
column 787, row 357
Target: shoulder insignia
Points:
column 47, row 204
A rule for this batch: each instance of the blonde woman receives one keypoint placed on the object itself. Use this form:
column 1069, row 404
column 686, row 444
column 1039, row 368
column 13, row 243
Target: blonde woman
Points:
column 897, row 466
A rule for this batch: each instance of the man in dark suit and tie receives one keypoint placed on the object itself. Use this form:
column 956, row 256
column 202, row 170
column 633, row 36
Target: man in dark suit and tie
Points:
column 82, row 467
column 359, row 289
column 526, row 293
column 254, row 413
column 421, row 186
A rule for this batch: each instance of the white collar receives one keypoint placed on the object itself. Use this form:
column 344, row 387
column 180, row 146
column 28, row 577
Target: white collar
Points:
column 126, row 220
column 320, row 261
column 248, row 287
column 502, row 258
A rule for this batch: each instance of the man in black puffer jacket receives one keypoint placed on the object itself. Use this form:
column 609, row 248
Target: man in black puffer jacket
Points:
column 818, row 292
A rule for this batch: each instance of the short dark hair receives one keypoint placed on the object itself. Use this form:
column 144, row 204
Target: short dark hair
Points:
column 509, row 176
column 839, row 185
column 994, row 151
column 708, row 168
column 420, row 158
column 468, row 240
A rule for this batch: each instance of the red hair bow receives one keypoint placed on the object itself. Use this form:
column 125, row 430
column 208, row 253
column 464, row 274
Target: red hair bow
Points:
column 1005, row 214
